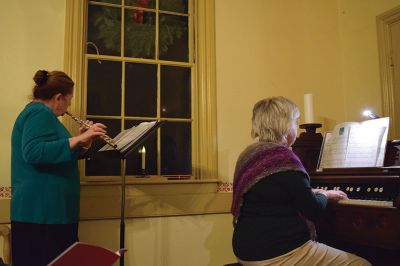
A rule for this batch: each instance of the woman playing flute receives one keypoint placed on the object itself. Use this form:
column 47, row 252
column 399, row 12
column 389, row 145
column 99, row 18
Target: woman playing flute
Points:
column 44, row 172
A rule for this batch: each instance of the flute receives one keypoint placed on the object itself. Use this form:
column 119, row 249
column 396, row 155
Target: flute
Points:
column 106, row 138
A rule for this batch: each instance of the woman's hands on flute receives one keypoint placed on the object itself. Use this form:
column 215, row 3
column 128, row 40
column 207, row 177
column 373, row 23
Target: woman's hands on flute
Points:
column 95, row 131
column 87, row 135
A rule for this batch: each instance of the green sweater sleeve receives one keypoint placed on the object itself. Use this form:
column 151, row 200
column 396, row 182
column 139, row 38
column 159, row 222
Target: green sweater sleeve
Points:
column 41, row 142
column 299, row 189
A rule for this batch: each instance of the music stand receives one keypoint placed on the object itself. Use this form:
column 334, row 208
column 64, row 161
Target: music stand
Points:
column 122, row 156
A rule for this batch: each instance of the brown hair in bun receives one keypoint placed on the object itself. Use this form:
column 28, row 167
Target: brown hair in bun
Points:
column 51, row 83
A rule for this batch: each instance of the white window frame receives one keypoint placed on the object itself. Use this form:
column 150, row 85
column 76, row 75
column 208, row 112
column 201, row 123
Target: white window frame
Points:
column 204, row 129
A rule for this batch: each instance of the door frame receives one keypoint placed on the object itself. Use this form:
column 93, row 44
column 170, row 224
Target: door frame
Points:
column 384, row 22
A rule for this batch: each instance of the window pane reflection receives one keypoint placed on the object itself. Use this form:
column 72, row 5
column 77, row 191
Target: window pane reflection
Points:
column 100, row 164
column 153, row 88
column 118, row 2
column 104, row 88
column 146, row 164
column 140, row 33
column 176, row 149
column 175, row 92
column 104, row 30
column 141, row 3
column 141, row 90
column 180, row 6
column 174, row 44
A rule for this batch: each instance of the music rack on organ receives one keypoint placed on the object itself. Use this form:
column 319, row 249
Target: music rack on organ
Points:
column 367, row 224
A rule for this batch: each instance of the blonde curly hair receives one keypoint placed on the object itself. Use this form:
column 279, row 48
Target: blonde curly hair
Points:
column 274, row 119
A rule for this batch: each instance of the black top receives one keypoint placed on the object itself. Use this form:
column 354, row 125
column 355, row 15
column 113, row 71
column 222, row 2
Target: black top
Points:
column 269, row 224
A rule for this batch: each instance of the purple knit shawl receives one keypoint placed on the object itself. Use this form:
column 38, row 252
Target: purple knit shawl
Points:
column 258, row 161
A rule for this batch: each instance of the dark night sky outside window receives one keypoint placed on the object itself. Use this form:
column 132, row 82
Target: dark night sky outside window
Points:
column 141, row 90
column 131, row 79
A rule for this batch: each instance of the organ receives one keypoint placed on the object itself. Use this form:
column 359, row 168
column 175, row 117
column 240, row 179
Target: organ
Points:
column 367, row 224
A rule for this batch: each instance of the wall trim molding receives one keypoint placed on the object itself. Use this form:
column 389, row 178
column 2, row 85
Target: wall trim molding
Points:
column 102, row 201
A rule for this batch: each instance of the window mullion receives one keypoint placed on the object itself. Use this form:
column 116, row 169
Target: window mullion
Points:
column 158, row 87
column 157, row 31
column 158, row 117
column 123, row 65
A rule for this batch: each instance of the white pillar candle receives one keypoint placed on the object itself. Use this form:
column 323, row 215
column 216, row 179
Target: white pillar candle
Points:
column 143, row 151
column 308, row 109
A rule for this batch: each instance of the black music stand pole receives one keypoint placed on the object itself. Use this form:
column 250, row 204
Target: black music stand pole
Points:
column 122, row 218
column 115, row 153
column 123, row 156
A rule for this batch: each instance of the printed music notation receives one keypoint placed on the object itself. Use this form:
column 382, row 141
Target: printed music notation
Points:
column 128, row 136
column 353, row 144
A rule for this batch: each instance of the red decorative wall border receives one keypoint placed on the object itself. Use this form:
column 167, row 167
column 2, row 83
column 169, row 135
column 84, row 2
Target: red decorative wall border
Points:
column 225, row 187
column 5, row 192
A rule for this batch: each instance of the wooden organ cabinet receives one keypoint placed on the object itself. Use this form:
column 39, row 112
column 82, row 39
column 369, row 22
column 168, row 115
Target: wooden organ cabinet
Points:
column 368, row 224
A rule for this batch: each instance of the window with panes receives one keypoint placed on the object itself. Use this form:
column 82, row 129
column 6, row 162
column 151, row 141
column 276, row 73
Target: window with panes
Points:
column 138, row 67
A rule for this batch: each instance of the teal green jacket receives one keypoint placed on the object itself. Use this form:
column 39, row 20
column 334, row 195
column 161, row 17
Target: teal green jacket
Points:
column 44, row 169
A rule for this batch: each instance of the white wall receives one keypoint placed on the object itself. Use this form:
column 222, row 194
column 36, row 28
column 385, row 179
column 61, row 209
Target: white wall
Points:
column 274, row 48
column 32, row 38
column 179, row 241
column 289, row 48
column 359, row 57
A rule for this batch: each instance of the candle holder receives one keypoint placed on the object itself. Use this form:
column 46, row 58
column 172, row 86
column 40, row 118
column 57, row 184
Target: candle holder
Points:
column 308, row 145
column 311, row 127
column 143, row 172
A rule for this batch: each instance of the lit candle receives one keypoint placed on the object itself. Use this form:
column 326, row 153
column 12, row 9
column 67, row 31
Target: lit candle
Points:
column 308, row 109
column 143, row 152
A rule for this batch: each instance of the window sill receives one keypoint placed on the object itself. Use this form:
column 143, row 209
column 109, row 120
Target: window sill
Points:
column 145, row 180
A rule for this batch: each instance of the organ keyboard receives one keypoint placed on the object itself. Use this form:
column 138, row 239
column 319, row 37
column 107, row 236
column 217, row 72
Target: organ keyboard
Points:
column 367, row 224
column 374, row 203
column 363, row 186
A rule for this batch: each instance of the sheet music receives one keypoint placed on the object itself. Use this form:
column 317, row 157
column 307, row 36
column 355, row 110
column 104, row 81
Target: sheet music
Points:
column 364, row 146
column 382, row 148
column 335, row 146
column 329, row 158
column 355, row 144
column 130, row 135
